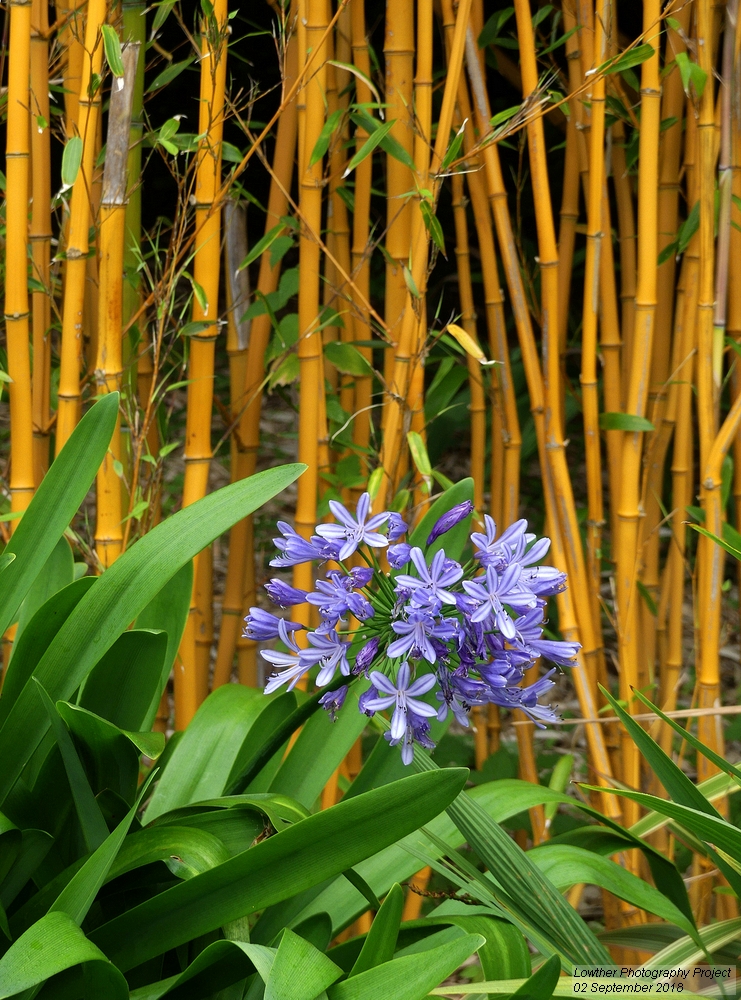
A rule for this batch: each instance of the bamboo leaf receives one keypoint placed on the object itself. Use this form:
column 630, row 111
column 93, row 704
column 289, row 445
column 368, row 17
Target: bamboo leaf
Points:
column 624, row 422
column 161, row 15
column 419, row 453
column 454, row 148
column 349, row 68
column 372, row 142
column 112, row 46
column 169, row 74
column 730, row 549
column 347, row 358
column 432, row 225
column 322, row 144
column 633, row 57
column 196, row 327
column 71, row 160
column 692, row 74
column 466, row 341
column 262, row 245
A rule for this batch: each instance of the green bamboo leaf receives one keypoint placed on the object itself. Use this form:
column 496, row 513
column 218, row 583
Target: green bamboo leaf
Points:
column 732, row 550
column 419, row 453
column 347, row 358
column 163, row 10
column 372, row 142
column 112, row 46
column 169, row 74
column 52, row 945
column 633, row 57
column 71, row 160
column 380, row 943
column 262, row 245
column 691, row 73
column 624, row 422
column 118, row 596
column 288, row 863
column 55, row 502
column 453, row 148
column 322, row 144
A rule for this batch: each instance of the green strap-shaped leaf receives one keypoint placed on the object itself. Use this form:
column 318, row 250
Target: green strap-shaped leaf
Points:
column 58, row 573
column 541, row 984
column 296, row 859
column 119, row 595
column 52, row 945
column 216, row 968
column 55, row 502
column 380, row 942
column 34, row 848
column 300, row 971
column 410, row 977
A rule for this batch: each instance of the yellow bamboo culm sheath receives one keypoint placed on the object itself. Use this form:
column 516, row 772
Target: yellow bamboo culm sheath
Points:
column 311, row 384
column 40, row 236
column 68, row 412
column 109, row 362
column 16, row 259
column 191, row 676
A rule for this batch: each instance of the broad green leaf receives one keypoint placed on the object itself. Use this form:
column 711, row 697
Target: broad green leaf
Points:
column 347, row 358
column 216, row 968
column 168, row 610
column 686, row 952
column 320, row 748
column 380, row 942
column 566, row 866
column 262, row 245
column 55, row 502
column 558, row 782
column 322, row 144
column 410, row 977
column 237, row 828
column 34, row 847
column 52, row 945
column 288, row 863
column 71, row 160
column 281, row 810
column 119, row 595
column 77, row 897
column 112, row 46
column 541, row 984
column 11, row 839
column 94, row 829
column 211, row 746
column 299, row 971
column 57, row 574
column 197, row 850
column 624, row 422
column 455, row 540
column 125, row 682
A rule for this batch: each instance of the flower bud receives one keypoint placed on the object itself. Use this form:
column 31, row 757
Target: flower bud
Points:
column 399, row 555
column 449, row 520
column 283, row 594
column 366, row 656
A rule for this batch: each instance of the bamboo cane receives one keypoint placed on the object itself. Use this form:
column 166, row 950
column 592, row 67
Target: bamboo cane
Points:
column 191, row 678
column 629, row 512
column 16, row 258
column 71, row 36
column 398, row 50
column 628, row 246
column 734, row 284
column 311, row 384
column 40, row 236
column 77, row 249
column 109, row 362
column 498, row 202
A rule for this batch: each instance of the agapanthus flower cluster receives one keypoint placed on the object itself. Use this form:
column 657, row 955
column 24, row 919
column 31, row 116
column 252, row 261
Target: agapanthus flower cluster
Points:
column 431, row 635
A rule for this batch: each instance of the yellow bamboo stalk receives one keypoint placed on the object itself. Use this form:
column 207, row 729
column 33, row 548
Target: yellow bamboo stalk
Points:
column 360, row 229
column 734, row 283
column 628, row 263
column 311, row 384
column 637, row 398
column 68, row 412
column 391, row 449
column 398, row 50
column 109, row 361
column 71, row 36
column 191, row 678
column 567, row 618
column 40, row 236
column 16, row 258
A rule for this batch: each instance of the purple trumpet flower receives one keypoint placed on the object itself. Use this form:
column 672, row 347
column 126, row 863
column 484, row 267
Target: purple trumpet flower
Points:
column 364, row 702
column 493, row 591
column 332, row 701
column 416, row 633
column 403, row 695
column 449, row 520
column 335, row 597
column 397, row 526
column 262, row 625
column 361, row 576
column 416, row 731
column 354, row 531
column 399, row 555
column 291, row 667
column 498, row 552
column 283, row 594
column 328, row 650
column 529, row 632
column 366, row 656
column 441, row 574
column 294, row 548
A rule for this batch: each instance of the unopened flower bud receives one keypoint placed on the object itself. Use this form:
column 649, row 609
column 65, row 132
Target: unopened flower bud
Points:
column 449, row 520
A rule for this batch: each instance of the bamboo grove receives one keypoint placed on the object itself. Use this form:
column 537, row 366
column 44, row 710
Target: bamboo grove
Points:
column 617, row 314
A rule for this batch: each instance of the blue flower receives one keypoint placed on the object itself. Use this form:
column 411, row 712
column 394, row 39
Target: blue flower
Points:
column 493, row 591
column 397, row 526
column 354, row 531
column 328, row 650
column 332, row 701
column 417, row 731
column 335, row 597
column 403, row 695
column 294, row 548
column 449, row 520
column 366, row 656
column 416, row 633
column 283, row 594
column 399, row 555
column 442, row 573
column 529, row 632
column 361, row 576
column 261, row 625
column 291, row 667
column 498, row 552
